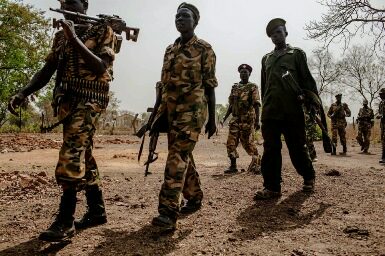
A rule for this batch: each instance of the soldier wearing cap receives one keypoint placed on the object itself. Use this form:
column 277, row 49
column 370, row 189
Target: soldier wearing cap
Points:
column 82, row 54
column 244, row 106
column 338, row 112
column 282, row 112
column 365, row 121
column 381, row 116
column 188, row 82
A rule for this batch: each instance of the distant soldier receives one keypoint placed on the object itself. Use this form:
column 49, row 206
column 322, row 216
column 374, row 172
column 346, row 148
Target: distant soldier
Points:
column 244, row 106
column 381, row 116
column 338, row 112
column 365, row 122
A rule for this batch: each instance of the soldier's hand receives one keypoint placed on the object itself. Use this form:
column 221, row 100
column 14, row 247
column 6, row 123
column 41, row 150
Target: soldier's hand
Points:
column 15, row 102
column 257, row 126
column 68, row 29
column 210, row 128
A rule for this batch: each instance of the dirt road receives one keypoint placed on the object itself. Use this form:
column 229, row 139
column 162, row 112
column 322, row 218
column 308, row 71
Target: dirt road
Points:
column 345, row 215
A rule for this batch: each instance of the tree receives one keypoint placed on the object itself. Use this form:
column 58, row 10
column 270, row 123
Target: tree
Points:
column 325, row 70
column 363, row 73
column 24, row 41
column 109, row 116
column 346, row 19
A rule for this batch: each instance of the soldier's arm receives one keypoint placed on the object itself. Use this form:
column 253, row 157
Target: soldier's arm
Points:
column 305, row 77
column 347, row 110
column 263, row 77
column 38, row 81
column 228, row 112
column 95, row 63
column 330, row 112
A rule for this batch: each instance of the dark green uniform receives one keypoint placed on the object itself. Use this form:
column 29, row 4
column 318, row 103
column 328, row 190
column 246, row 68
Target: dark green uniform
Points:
column 282, row 114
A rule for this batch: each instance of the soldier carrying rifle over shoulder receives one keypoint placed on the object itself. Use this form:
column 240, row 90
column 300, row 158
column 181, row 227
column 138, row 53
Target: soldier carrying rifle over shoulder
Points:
column 82, row 55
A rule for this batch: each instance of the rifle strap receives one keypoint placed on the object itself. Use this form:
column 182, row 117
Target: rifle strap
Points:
column 141, row 147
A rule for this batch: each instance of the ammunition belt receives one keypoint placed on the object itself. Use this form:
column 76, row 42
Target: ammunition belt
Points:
column 78, row 89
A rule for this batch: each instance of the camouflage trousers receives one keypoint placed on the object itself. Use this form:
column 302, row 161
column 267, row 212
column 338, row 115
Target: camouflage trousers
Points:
column 77, row 167
column 339, row 128
column 243, row 132
column 363, row 135
column 311, row 133
column 181, row 178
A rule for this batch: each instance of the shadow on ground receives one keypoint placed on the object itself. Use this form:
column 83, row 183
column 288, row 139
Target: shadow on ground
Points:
column 273, row 215
column 35, row 247
column 146, row 241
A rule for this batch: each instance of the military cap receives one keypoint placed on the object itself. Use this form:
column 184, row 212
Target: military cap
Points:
column 245, row 66
column 274, row 23
column 192, row 8
column 338, row 95
column 382, row 91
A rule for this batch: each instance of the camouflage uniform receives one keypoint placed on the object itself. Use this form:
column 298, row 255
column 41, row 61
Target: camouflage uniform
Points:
column 311, row 133
column 243, row 98
column 365, row 124
column 83, row 95
column 337, row 113
column 381, row 113
column 187, row 69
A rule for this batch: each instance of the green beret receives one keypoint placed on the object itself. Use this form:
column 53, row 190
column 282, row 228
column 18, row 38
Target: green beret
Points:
column 191, row 8
column 382, row 91
column 245, row 66
column 273, row 24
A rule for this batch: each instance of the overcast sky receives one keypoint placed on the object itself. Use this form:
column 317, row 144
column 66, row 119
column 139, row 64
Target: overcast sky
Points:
column 235, row 29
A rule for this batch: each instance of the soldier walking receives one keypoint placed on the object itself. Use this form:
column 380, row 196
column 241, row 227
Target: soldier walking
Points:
column 188, row 82
column 82, row 56
column 244, row 106
column 338, row 112
column 365, row 122
column 381, row 116
column 282, row 112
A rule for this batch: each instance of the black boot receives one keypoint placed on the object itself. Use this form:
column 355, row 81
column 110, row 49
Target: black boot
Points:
column 233, row 166
column 382, row 160
column 344, row 149
column 63, row 226
column 96, row 212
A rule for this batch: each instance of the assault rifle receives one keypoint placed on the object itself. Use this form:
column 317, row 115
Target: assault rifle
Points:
column 302, row 95
column 152, row 155
column 114, row 21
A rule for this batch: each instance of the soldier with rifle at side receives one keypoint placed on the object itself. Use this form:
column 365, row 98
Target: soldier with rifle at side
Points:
column 82, row 55
column 244, row 106
column 365, row 120
column 381, row 116
column 188, row 81
column 338, row 112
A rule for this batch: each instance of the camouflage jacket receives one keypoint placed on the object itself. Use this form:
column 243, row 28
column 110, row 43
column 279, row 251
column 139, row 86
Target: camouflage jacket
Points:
column 279, row 101
column 365, row 116
column 187, row 70
column 381, row 111
column 338, row 112
column 243, row 99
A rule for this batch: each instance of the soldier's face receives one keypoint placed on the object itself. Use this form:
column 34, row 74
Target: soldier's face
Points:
column 244, row 74
column 184, row 20
column 72, row 6
column 278, row 36
column 339, row 98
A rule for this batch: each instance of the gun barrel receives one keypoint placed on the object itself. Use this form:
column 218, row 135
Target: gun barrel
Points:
column 76, row 14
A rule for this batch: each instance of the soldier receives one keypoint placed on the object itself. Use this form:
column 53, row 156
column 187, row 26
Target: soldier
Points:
column 365, row 122
column 381, row 116
column 311, row 132
column 82, row 55
column 188, row 79
column 282, row 111
column 337, row 113
column 244, row 106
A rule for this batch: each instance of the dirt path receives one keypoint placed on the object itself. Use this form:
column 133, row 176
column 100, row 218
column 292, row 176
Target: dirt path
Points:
column 345, row 216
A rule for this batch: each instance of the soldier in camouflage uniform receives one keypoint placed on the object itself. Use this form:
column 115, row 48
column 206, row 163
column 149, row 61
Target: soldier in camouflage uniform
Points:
column 365, row 122
column 337, row 113
column 381, row 116
column 82, row 55
column 311, row 133
column 188, row 79
column 244, row 106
